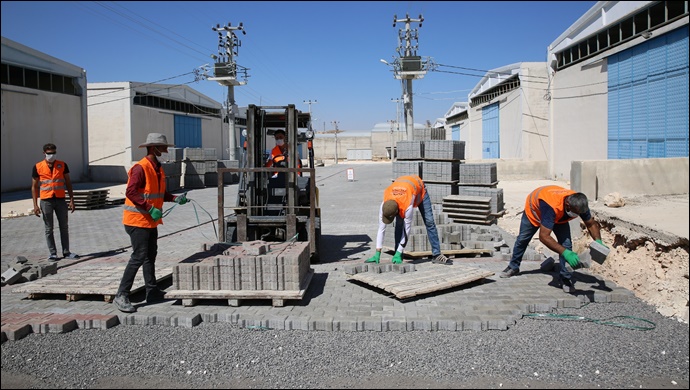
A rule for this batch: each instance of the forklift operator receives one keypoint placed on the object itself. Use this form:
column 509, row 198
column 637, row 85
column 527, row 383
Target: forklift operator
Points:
column 279, row 153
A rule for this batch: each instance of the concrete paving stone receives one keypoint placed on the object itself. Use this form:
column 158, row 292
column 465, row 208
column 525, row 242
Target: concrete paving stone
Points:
column 296, row 323
column 370, row 324
column 419, row 324
column 15, row 332
column 394, row 324
column 321, row 323
column 346, row 325
column 447, row 324
column 276, row 322
column 187, row 321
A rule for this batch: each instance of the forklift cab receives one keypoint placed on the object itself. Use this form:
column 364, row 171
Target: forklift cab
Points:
column 277, row 203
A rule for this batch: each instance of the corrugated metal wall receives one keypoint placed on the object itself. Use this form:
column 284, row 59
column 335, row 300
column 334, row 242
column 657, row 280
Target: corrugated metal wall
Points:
column 648, row 99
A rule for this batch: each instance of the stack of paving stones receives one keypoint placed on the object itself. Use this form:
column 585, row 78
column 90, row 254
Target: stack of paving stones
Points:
column 173, row 169
column 429, row 133
column 230, row 177
column 452, row 235
column 23, row 270
column 378, row 268
column 193, row 168
column 254, row 265
column 211, row 174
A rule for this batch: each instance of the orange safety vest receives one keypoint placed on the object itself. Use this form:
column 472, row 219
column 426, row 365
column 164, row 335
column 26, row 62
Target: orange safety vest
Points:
column 52, row 182
column 153, row 192
column 275, row 152
column 403, row 190
column 554, row 196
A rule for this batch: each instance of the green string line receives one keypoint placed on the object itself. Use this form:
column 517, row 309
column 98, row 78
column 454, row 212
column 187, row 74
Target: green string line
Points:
column 605, row 321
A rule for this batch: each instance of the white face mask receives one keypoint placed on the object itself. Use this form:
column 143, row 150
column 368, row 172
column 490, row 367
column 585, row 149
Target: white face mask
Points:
column 571, row 214
column 50, row 157
column 280, row 142
column 162, row 157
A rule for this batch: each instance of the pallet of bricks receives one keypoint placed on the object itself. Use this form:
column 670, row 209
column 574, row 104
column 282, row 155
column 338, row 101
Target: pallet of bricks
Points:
column 198, row 168
column 435, row 161
column 477, row 200
column 89, row 199
column 173, row 169
column 253, row 270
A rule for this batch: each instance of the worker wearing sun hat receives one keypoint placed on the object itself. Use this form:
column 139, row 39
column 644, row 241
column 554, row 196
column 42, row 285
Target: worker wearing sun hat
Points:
column 399, row 201
column 142, row 214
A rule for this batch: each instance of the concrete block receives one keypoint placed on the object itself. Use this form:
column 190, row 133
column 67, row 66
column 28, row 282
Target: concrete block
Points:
column 598, row 252
column 11, row 275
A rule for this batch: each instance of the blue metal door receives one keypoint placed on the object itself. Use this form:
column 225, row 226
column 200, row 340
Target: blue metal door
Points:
column 187, row 132
column 648, row 99
column 490, row 132
column 455, row 133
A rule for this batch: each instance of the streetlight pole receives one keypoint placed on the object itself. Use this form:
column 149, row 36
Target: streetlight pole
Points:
column 335, row 125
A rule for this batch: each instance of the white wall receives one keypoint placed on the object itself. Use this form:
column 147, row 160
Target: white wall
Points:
column 579, row 116
column 32, row 118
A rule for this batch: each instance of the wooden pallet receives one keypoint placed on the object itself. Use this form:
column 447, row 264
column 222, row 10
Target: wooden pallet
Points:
column 278, row 297
column 447, row 252
column 77, row 283
column 425, row 279
column 90, row 199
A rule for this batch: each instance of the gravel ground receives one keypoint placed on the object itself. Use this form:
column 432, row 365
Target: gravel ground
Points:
column 579, row 354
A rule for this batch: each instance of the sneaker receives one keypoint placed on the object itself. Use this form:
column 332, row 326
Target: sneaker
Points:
column 154, row 296
column 568, row 285
column 442, row 259
column 71, row 255
column 53, row 258
column 123, row 304
column 508, row 272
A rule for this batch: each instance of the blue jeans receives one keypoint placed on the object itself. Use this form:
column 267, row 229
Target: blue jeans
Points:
column 59, row 207
column 144, row 251
column 527, row 231
column 428, row 218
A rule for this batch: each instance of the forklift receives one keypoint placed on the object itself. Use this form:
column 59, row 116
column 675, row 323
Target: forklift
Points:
column 277, row 203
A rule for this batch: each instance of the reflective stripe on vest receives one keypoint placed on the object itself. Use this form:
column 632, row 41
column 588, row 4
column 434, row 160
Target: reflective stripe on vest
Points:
column 52, row 181
column 153, row 191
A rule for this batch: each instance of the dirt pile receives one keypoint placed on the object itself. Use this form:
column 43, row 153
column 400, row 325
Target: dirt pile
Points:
column 656, row 274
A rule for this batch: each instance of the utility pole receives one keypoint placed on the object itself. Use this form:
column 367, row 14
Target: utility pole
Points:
column 309, row 102
column 397, row 111
column 408, row 65
column 392, row 139
column 335, row 125
column 225, row 72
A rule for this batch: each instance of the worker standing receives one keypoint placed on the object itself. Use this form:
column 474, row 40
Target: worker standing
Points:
column 53, row 177
column 142, row 214
column 399, row 201
column 549, row 209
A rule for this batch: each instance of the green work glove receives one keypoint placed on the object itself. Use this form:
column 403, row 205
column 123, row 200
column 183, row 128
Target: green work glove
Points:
column 397, row 258
column 374, row 259
column 571, row 258
column 156, row 213
column 182, row 199
column 600, row 242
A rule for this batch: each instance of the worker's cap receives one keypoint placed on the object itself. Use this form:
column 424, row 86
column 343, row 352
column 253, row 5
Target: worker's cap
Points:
column 390, row 210
column 155, row 139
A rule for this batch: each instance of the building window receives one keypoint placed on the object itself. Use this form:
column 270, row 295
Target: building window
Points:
column 656, row 15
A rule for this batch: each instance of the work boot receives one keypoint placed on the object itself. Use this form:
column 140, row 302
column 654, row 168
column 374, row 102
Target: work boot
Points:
column 508, row 272
column 155, row 295
column 123, row 304
column 442, row 259
column 568, row 285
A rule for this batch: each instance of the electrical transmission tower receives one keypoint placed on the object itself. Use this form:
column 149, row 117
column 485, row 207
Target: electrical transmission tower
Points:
column 408, row 65
column 226, row 71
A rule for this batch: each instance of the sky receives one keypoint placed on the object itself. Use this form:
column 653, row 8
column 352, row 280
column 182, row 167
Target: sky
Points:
column 326, row 52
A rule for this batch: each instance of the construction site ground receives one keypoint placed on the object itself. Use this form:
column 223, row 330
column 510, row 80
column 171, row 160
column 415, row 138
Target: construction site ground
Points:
column 649, row 258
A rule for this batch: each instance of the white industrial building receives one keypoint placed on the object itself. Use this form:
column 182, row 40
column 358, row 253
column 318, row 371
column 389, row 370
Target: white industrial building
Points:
column 121, row 114
column 614, row 88
column 43, row 101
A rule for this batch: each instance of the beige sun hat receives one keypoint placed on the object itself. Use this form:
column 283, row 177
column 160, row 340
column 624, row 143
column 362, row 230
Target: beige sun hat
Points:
column 155, row 139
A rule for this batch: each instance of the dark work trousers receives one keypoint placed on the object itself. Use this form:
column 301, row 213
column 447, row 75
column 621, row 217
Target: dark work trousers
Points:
column 144, row 251
column 59, row 207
